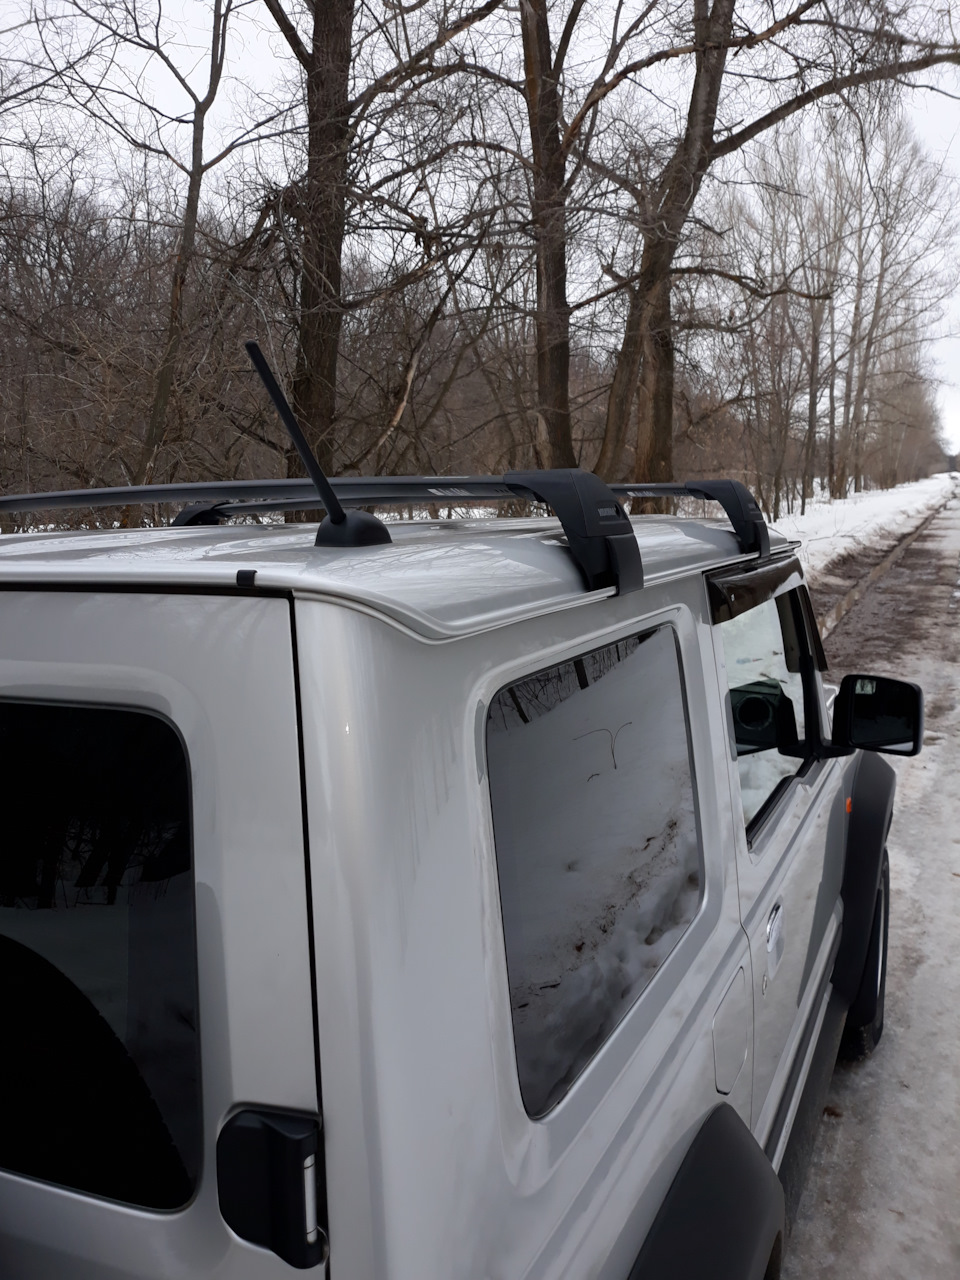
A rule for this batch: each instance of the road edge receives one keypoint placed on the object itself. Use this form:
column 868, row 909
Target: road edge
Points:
column 859, row 590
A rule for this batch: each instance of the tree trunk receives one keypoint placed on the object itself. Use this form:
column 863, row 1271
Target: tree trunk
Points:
column 144, row 468
column 638, row 350
column 806, row 488
column 648, row 336
column 550, row 229
column 623, row 390
column 142, row 472
column 832, row 410
column 322, row 217
column 654, row 460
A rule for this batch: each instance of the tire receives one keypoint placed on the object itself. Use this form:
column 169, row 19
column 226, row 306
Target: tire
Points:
column 864, row 1025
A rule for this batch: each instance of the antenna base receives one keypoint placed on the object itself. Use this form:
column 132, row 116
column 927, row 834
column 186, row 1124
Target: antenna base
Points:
column 356, row 529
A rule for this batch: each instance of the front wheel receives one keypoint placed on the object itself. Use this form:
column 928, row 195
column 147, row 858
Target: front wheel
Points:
column 864, row 1025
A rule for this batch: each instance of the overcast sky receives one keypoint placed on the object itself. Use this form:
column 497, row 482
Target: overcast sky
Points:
column 936, row 118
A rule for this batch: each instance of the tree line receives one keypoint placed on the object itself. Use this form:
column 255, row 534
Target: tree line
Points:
column 642, row 238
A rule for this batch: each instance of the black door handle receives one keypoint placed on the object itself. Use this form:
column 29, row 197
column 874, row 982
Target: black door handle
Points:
column 270, row 1180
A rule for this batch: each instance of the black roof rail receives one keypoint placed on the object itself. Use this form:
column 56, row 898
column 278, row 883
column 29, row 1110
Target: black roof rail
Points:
column 598, row 530
column 743, row 510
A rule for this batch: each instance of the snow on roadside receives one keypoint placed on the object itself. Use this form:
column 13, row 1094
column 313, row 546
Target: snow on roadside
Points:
column 880, row 516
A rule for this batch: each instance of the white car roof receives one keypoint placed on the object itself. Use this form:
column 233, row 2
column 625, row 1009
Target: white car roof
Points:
column 440, row 578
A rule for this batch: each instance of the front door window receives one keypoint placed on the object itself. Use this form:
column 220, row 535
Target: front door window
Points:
column 762, row 652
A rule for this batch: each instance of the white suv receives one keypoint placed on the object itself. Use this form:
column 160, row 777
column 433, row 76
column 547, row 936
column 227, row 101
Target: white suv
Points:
column 522, row 852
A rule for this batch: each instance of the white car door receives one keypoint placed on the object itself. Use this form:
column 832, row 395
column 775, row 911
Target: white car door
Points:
column 791, row 826
column 154, row 945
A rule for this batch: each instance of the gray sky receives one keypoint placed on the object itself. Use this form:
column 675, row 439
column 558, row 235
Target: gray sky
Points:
column 936, row 119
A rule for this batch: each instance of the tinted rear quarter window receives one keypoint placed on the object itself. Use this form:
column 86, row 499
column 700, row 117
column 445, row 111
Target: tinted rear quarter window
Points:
column 597, row 846
column 99, row 1078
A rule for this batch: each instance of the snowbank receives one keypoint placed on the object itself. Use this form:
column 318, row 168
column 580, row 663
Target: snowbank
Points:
column 831, row 529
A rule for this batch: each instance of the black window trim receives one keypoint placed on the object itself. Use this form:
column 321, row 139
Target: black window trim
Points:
column 736, row 591
column 810, row 667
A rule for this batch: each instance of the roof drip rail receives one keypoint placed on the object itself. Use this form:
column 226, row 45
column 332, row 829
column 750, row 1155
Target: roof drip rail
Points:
column 338, row 528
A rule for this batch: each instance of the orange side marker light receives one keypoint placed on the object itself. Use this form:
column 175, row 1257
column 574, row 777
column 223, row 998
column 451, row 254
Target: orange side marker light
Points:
column 849, row 804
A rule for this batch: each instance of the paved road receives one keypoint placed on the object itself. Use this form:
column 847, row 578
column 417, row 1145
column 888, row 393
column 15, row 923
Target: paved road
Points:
column 882, row 1198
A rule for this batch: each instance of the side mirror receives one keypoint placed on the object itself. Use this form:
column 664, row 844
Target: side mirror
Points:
column 878, row 714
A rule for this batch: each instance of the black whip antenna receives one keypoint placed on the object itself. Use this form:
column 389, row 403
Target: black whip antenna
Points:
column 339, row 528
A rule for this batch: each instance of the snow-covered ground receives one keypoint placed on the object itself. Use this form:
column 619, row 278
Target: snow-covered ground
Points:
column 881, row 516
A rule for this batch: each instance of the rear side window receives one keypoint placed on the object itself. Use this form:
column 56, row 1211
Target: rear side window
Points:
column 598, row 854
column 99, row 1074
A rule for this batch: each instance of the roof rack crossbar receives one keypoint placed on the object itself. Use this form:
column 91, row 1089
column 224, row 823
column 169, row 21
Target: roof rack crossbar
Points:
column 741, row 507
column 214, row 492
column 598, row 530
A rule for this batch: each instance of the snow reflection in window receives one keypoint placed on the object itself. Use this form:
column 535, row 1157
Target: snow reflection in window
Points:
column 597, row 848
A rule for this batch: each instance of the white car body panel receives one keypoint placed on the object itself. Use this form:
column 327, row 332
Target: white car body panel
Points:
column 220, row 670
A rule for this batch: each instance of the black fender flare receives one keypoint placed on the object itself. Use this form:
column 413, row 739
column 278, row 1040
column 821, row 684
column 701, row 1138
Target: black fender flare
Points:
column 872, row 793
column 723, row 1217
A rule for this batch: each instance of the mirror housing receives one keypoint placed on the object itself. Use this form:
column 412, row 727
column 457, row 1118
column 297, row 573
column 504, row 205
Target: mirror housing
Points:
column 763, row 718
column 875, row 713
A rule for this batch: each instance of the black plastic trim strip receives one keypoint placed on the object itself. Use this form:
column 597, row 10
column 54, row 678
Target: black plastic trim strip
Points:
column 872, row 794
column 723, row 1217
column 813, row 629
column 793, row 1080
column 806, row 1123
column 733, row 593
column 147, row 588
column 755, row 826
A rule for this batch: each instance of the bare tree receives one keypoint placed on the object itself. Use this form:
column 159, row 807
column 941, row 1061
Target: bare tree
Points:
column 805, row 54
column 848, row 247
column 341, row 99
column 129, row 38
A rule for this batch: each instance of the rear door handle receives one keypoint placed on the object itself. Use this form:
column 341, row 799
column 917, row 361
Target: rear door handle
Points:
column 774, row 939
